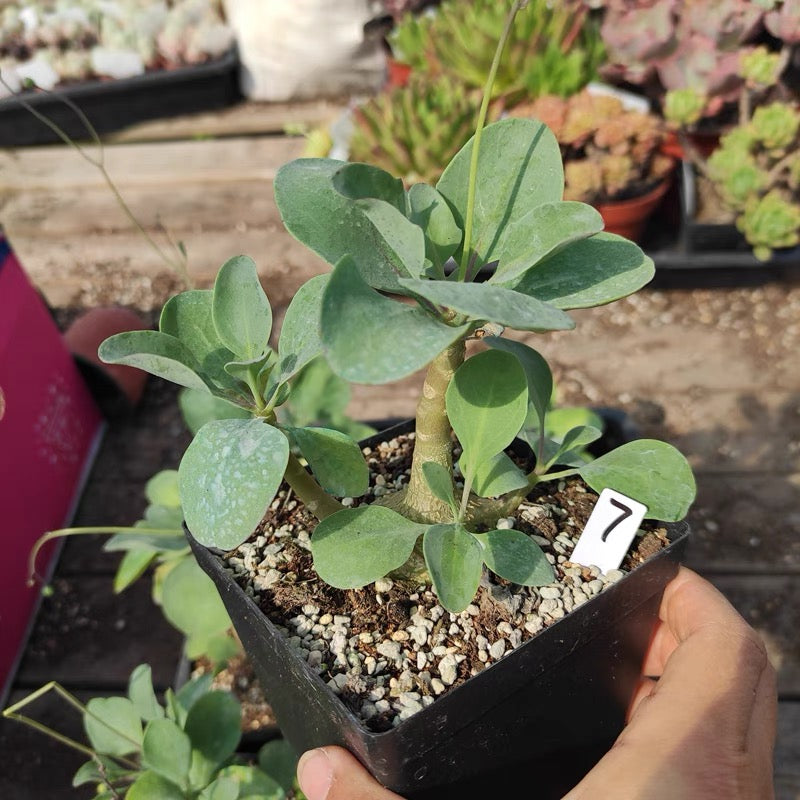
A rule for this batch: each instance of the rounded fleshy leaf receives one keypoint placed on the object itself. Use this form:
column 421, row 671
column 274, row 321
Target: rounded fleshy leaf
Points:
column 455, row 562
column 214, row 725
column 228, row 476
column 300, row 341
column 513, row 555
column 190, row 601
column 335, row 459
column 167, row 750
column 113, row 725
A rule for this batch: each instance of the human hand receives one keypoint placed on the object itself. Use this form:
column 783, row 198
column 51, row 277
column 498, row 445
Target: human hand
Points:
column 704, row 730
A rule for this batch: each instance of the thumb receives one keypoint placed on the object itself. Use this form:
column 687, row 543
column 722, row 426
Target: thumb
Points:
column 331, row 773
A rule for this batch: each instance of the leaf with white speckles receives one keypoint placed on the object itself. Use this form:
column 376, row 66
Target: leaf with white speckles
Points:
column 228, row 477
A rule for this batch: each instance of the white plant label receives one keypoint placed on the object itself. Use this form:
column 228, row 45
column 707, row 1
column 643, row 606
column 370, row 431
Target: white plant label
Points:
column 609, row 531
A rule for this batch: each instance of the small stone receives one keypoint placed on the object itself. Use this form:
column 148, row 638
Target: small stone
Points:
column 389, row 649
column 548, row 606
column 594, row 586
column 383, row 585
column 497, row 650
column 310, row 610
column 421, row 661
column 341, row 620
column 337, row 682
column 505, row 523
column 347, row 502
column 558, row 613
column 314, row 658
column 400, row 636
column 447, row 669
column 382, row 706
column 614, row 575
column 326, row 619
column 419, row 633
column 549, row 592
column 437, row 686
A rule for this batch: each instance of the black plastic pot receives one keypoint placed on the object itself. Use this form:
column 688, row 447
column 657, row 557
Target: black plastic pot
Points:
column 536, row 721
column 111, row 105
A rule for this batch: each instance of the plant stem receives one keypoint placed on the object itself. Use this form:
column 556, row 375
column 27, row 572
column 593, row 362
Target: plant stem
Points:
column 313, row 496
column 551, row 476
column 476, row 142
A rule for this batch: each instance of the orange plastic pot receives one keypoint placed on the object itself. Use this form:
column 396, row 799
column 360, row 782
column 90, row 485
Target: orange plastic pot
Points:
column 116, row 388
column 629, row 217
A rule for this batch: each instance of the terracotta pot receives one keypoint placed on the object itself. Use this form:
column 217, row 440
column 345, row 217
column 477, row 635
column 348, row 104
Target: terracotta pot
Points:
column 629, row 217
column 397, row 73
column 116, row 388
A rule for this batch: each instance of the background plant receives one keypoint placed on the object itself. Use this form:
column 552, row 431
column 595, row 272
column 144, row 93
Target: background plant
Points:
column 609, row 152
column 183, row 749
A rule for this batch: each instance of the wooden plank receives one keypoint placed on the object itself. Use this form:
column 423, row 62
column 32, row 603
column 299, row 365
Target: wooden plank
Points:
column 771, row 604
column 746, row 520
column 243, row 119
column 159, row 163
column 86, row 636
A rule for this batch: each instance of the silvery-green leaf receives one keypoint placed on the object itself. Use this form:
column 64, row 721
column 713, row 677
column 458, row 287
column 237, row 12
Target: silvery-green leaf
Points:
column 142, row 695
column 560, row 421
column 241, row 312
column 589, row 273
column 132, row 566
column 332, row 224
column 652, row 472
column 440, row 482
column 300, row 340
column 358, row 181
column 357, row 546
column 575, row 440
column 519, row 168
column 151, row 786
column 537, row 372
column 514, row 556
column 335, row 459
column 486, row 403
column 167, row 750
column 162, row 488
column 253, row 783
column 222, row 788
column 486, row 303
column 279, row 760
column 540, row 233
column 455, row 562
column 228, row 476
column 361, row 330
column 157, row 353
column 113, row 725
column 198, row 408
column 428, row 209
column 498, row 475
column 214, row 725
column 188, row 317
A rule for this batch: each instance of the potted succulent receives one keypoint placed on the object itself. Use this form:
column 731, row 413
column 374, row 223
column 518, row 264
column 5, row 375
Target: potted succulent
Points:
column 613, row 156
column 753, row 178
column 372, row 591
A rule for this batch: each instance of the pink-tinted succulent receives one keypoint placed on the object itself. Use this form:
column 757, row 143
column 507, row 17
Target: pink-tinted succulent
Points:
column 783, row 21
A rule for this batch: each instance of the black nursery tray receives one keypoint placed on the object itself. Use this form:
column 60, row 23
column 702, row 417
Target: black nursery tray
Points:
column 693, row 254
column 111, row 105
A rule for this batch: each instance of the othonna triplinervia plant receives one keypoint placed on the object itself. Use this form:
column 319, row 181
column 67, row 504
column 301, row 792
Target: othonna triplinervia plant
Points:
column 498, row 204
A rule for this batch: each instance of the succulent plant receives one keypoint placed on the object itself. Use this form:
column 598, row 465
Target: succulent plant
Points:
column 756, row 171
column 759, row 67
column 554, row 48
column 413, row 131
column 783, row 20
column 609, row 152
column 682, row 44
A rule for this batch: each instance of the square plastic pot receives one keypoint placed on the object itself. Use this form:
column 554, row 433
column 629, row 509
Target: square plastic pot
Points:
column 534, row 722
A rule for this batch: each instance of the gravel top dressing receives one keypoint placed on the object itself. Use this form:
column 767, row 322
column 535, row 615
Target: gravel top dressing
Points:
column 389, row 650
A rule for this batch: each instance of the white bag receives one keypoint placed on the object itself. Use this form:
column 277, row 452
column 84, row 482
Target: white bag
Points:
column 300, row 49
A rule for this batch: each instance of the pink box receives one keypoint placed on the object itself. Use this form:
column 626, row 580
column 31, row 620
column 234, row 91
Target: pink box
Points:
column 50, row 428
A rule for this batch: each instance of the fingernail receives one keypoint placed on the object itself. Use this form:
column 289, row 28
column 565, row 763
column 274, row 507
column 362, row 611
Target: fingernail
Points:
column 315, row 774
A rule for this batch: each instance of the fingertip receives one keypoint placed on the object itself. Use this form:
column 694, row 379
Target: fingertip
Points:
column 315, row 774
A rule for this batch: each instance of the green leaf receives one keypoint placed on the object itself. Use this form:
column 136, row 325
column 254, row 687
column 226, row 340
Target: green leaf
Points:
column 90, row 772
column 300, row 340
column 241, row 311
column 228, row 476
column 652, row 472
column 537, row 372
column 440, row 482
column 157, row 543
column 156, row 353
column 224, row 788
column 162, row 517
column 575, row 440
column 279, row 760
column 132, row 566
column 190, row 601
column 486, row 303
column 516, row 557
column 190, row 693
column 358, row 181
column 361, row 330
column 327, row 221
column 335, row 459
column 253, row 783
column 188, row 317
column 162, row 488
column 428, row 209
column 498, row 475
column 318, row 396
column 543, row 231
column 113, row 725
column 142, row 695
column 167, row 751
column 486, row 404
column 198, row 408
column 560, row 421
column 357, row 546
column 214, row 725
column 589, row 273
column 150, row 786
column 454, row 560
column 519, row 169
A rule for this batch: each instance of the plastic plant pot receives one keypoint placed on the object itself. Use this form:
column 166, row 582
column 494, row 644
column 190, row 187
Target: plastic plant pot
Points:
column 628, row 218
column 538, row 719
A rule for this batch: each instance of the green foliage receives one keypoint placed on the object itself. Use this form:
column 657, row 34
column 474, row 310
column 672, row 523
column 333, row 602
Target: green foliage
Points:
column 182, row 750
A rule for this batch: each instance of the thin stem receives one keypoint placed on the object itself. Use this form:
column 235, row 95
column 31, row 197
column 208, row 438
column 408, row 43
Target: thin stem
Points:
column 63, row 532
column 551, row 476
column 468, row 481
column 313, row 496
column 254, row 390
column 476, row 144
